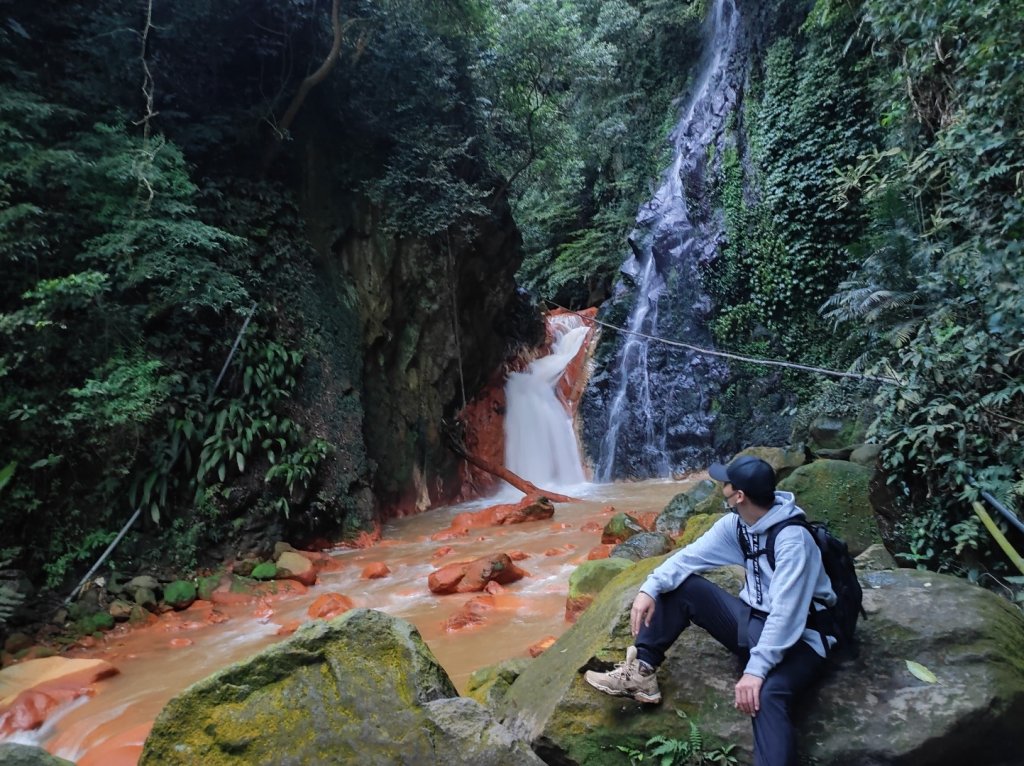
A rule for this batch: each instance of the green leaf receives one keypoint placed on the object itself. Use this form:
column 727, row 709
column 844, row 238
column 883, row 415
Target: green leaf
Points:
column 920, row 671
column 7, row 472
column 240, row 459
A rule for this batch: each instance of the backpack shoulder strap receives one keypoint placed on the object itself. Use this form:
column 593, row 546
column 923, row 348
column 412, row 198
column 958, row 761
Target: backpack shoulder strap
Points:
column 774, row 530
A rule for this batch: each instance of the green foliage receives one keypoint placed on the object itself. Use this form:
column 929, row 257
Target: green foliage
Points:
column 938, row 296
column 667, row 751
column 581, row 97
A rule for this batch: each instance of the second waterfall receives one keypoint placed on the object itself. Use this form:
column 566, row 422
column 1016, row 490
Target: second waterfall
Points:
column 649, row 412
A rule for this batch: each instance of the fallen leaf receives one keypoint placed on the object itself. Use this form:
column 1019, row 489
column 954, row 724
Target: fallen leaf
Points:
column 920, row 671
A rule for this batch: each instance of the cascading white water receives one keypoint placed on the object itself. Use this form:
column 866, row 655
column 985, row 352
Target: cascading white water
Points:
column 540, row 442
column 667, row 244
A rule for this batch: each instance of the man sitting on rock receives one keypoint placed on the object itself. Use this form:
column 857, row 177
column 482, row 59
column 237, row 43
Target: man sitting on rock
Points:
column 767, row 626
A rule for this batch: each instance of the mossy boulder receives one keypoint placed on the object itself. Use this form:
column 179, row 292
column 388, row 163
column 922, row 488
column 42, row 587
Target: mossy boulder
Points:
column 834, row 432
column 696, row 526
column 869, row 712
column 673, row 518
column 362, row 688
column 784, row 460
column 588, row 579
column 180, row 594
column 643, row 545
column 205, row 586
column 490, row 684
column 621, row 527
column 568, row 722
column 837, row 492
column 12, row 754
column 93, row 623
column 265, row 570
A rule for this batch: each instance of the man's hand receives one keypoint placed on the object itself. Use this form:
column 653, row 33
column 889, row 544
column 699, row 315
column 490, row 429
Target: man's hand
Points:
column 641, row 613
column 748, row 693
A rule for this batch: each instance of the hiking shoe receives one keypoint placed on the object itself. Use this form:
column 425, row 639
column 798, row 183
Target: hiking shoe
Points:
column 626, row 680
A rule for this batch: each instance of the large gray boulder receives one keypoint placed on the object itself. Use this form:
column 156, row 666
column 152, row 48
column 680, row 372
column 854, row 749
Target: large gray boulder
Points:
column 26, row 755
column 872, row 711
column 362, row 688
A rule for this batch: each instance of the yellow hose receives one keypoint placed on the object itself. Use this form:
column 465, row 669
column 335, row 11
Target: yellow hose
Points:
column 999, row 537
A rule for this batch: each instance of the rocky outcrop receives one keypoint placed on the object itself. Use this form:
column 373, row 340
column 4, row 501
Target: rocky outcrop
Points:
column 837, row 492
column 363, row 688
column 433, row 324
column 872, row 711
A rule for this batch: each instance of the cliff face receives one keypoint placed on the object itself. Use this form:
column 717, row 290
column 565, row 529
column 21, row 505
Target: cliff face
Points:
column 432, row 323
column 434, row 318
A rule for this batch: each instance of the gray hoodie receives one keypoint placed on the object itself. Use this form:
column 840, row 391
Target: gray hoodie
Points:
column 785, row 593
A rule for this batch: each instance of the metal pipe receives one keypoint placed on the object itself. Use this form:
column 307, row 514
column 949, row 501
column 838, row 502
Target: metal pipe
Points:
column 174, row 459
column 1010, row 516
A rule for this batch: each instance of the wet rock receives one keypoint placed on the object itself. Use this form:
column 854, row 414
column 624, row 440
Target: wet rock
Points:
column 784, row 460
column 121, row 610
column 643, row 546
column 143, row 581
column 375, row 571
column 473, row 576
column 329, row 605
column 296, row 566
column 673, row 518
column 527, row 509
column 541, row 646
column 621, row 527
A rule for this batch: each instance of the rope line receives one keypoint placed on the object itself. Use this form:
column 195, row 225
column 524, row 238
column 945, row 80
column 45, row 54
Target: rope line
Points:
column 728, row 355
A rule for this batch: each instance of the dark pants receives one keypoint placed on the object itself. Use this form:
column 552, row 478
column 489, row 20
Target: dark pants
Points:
column 730, row 621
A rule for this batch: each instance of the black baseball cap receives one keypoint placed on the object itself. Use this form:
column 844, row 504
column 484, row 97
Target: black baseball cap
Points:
column 754, row 476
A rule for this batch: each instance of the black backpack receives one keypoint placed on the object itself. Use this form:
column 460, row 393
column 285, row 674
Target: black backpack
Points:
column 839, row 620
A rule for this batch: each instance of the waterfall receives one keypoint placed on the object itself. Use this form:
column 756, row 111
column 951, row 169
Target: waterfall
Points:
column 650, row 414
column 540, row 443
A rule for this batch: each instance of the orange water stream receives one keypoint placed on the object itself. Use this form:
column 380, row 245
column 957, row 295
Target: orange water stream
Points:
column 159, row 661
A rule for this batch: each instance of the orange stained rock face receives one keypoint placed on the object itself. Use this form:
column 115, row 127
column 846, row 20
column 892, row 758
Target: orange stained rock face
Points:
column 527, row 509
column 602, row 551
column 518, row 555
column 443, row 551
column 591, row 526
column 498, row 568
column 647, row 520
column 329, row 605
column 288, row 628
column 375, row 571
column 574, row 607
column 446, row 579
column 472, row 614
column 32, row 689
column 542, row 646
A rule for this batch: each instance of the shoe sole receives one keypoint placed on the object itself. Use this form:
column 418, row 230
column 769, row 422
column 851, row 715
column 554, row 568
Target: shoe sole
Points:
column 650, row 699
